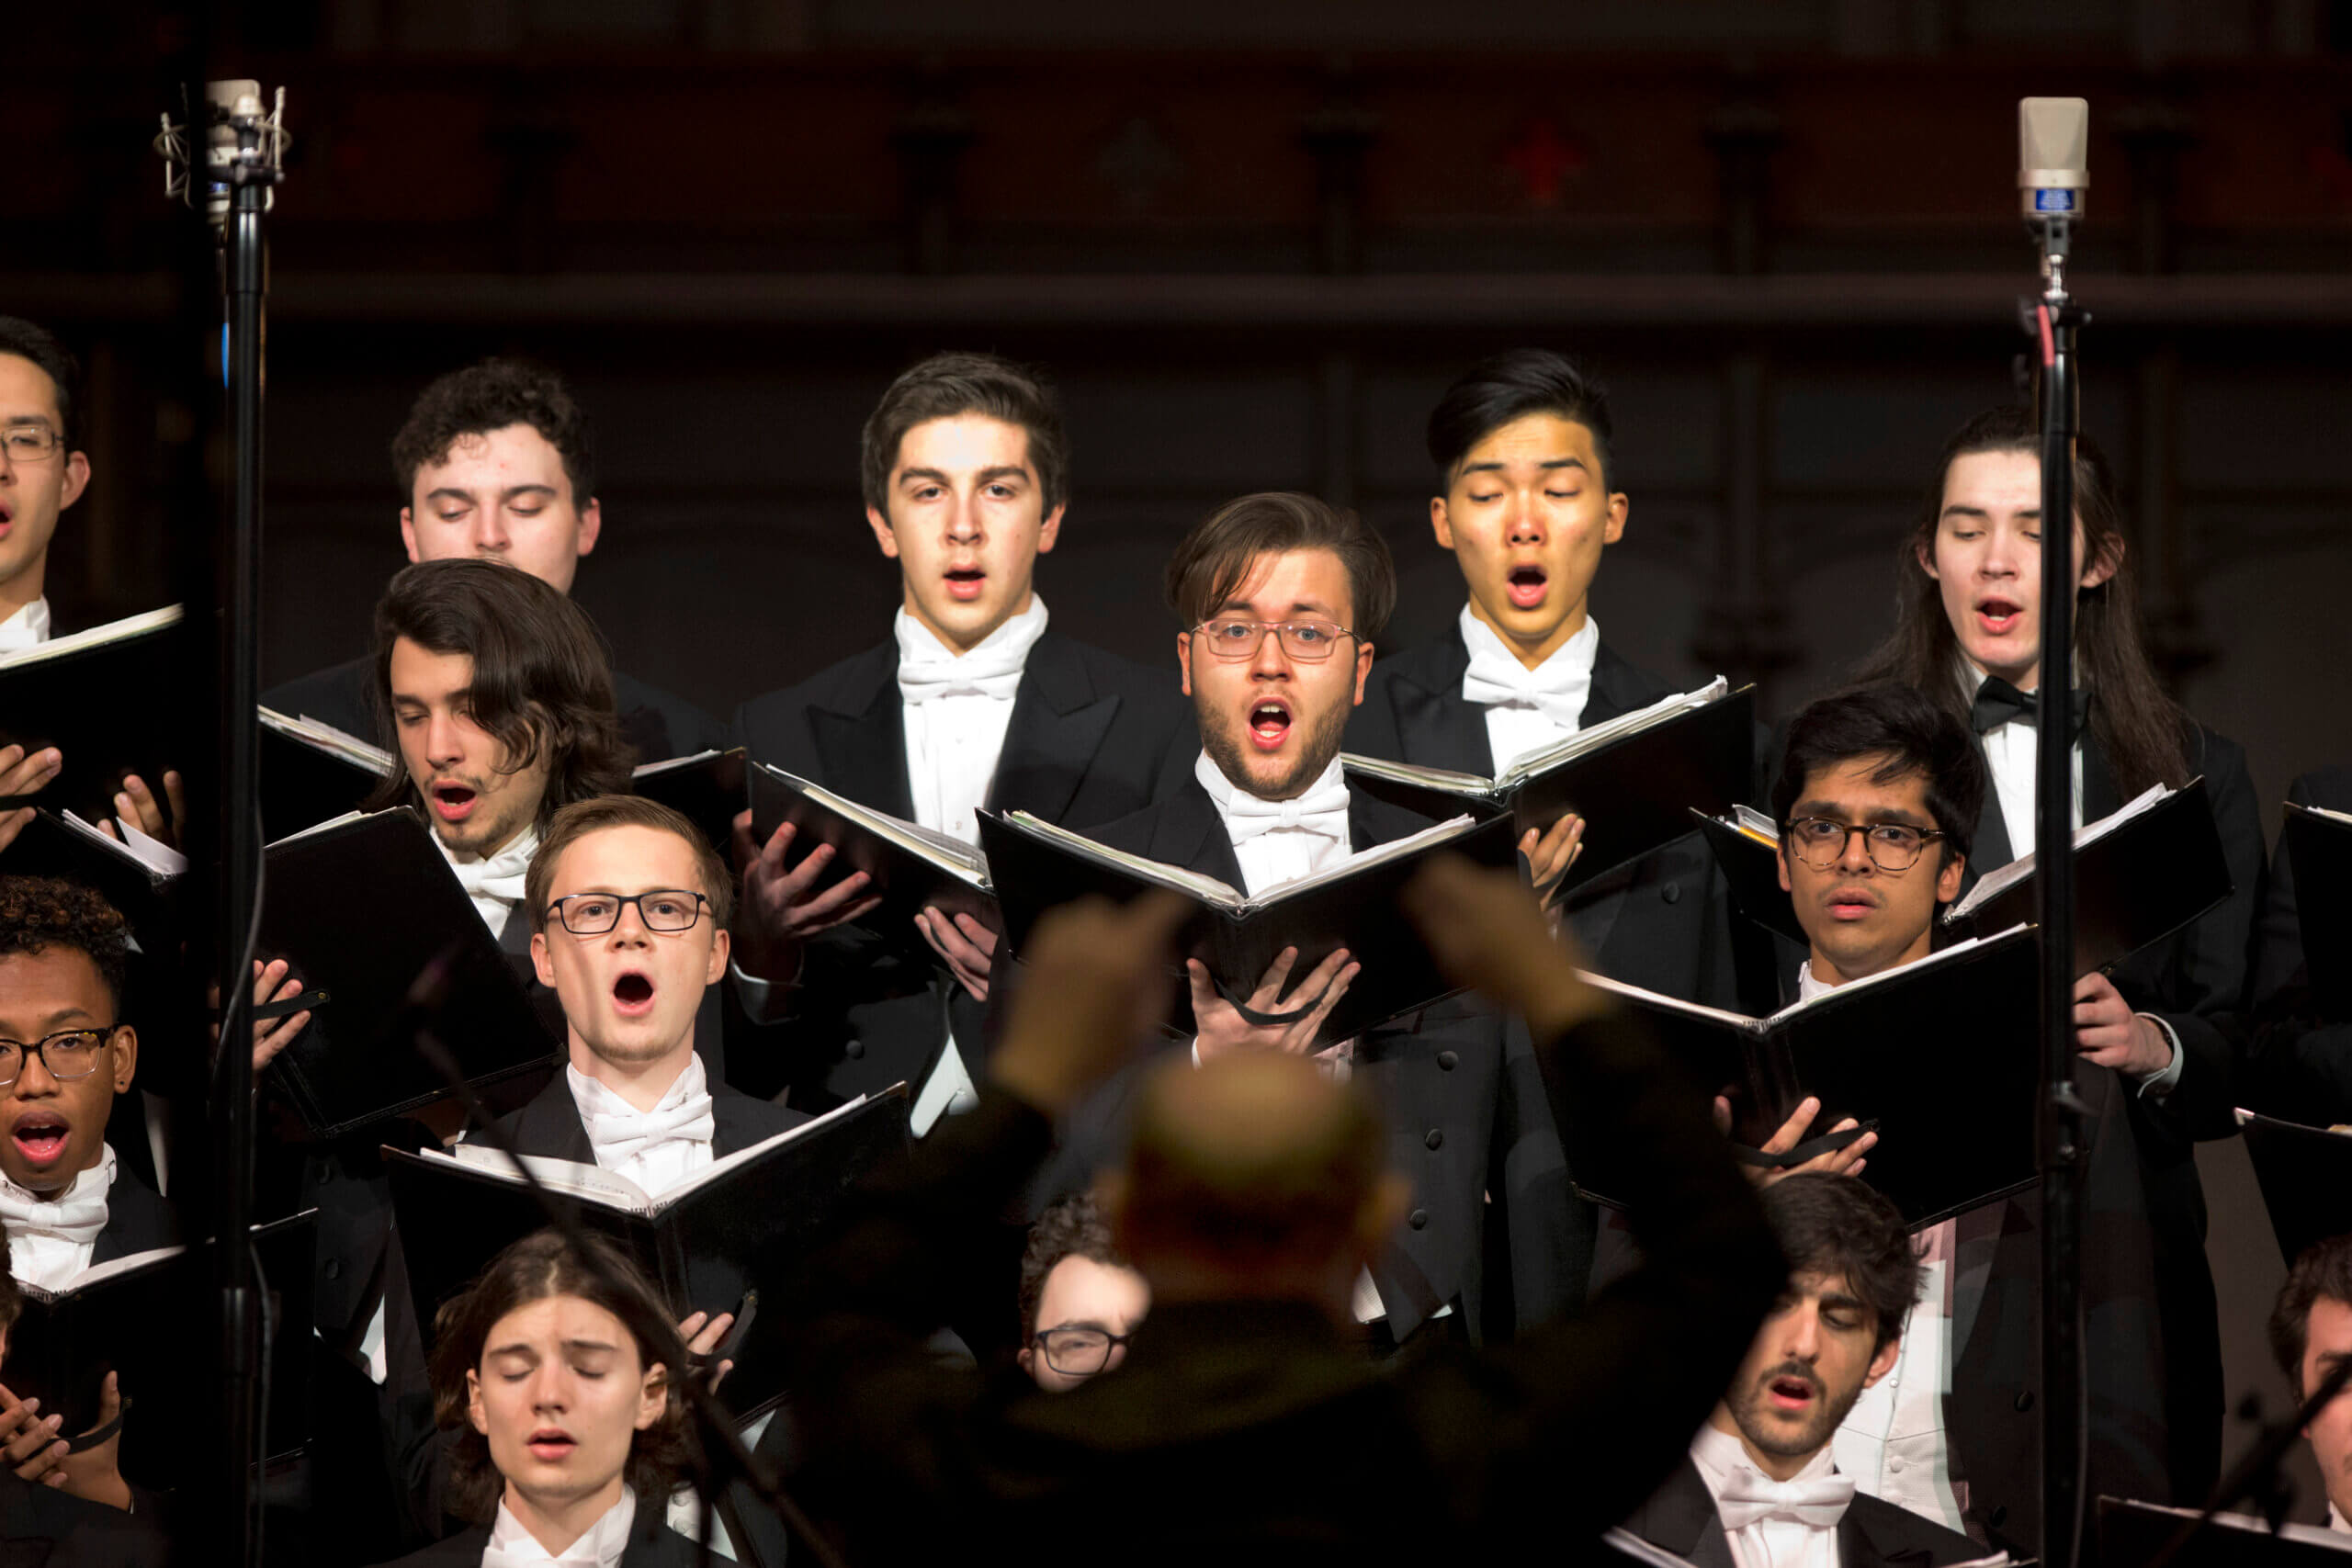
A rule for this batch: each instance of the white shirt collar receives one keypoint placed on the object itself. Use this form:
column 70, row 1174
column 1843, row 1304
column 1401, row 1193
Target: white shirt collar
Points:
column 29, row 627
column 50, row 1239
column 1280, row 840
column 1005, row 648
column 1809, row 984
column 601, row 1546
column 496, row 881
column 1568, row 666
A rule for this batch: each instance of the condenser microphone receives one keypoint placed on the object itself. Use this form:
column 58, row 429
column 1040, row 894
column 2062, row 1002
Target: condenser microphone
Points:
column 234, row 137
column 2053, row 158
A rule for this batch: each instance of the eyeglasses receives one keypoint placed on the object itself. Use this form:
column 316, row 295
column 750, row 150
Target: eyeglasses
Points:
column 1078, row 1352
column 68, row 1055
column 1820, row 842
column 1232, row 638
column 662, row 909
column 29, row 443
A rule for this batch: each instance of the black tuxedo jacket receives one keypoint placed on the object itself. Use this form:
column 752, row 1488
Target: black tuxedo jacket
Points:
column 2300, row 1064
column 1093, row 737
column 658, row 724
column 43, row 1528
column 652, row 1544
column 1662, row 922
column 1252, row 1431
column 549, row 1125
column 137, row 1220
column 1492, row 1228
column 1681, row 1517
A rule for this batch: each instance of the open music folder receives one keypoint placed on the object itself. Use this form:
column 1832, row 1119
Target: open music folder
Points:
column 740, row 1226
column 1943, row 1055
column 706, row 788
column 1632, row 779
column 1036, row 865
column 147, row 1318
column 312, row 772
column 909, row 865
column 2319, row 842
column 364, row 907
column 114, row 700
column 2141, row 874
column 2305, row 1173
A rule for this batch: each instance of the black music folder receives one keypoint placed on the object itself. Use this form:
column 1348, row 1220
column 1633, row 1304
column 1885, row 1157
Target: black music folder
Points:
column 1942, row 1054
column 148, row 1319
column 312, row 772
column 2132, row 1534
column 740, row 1225
column 2305, row 1173
column 363, row 907
column 138, row 878
column 1632, row 779
column 910, row 866
column 115, row 700
column 1036, row 865
column 707, row 789
column 2141, row 874
column 2319, row 843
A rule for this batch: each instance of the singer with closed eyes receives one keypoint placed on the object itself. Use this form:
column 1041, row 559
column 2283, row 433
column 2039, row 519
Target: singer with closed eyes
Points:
column 568, row 1437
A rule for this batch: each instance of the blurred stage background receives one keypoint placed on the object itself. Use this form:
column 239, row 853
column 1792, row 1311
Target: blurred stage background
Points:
column 1251, row 240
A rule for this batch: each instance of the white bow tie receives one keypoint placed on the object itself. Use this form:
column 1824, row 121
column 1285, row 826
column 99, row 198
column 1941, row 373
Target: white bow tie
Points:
column 76, row 1217
column 502, row 874
column 928, row 670
column 1557, row 688
column 1748, row 1495
column 1322, row 811
column 618, row 1132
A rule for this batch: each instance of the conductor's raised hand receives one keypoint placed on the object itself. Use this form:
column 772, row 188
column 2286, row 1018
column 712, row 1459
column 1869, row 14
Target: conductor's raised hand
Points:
column 1222, row 1030
column 1094, row 979
column 1847, row 1161
column 967, row 947
column 1486, row 930
column 1549, row 853
column 782, row 908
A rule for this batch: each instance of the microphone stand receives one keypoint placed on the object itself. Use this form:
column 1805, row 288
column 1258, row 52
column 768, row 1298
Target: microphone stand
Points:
column 2053, row 318
column 714, row 1427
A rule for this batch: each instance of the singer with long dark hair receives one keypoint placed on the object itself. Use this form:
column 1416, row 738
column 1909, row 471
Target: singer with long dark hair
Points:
column 1968, row 634
column 569, row 1436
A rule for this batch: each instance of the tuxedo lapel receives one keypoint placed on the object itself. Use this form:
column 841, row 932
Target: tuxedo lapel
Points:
column 2101, row 797
column 1681, row 1517
column 1190, row 833
column 1992, row 849
column 137, row 1221
column 1618, row 689
column 862, row 741
column 549, row 1125
column 1437, row 727
column 733, row 1127
column 1057, row 722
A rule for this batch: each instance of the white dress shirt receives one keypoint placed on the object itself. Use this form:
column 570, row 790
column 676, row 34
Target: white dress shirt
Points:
column 2009, row 752
column 2336, row 1521
column 1527, row 709
column 50, row 1239
column 956, row 709
column 657, row 1148
column 601, row 1546
column 1803, row 1534
column 29, row 627
column 1280, row 840
column 495, row 882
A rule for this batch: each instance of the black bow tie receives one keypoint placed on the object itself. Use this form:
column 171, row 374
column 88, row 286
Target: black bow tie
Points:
column 1998, row 702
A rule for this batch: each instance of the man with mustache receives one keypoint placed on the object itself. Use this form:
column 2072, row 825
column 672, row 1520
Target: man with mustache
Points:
column 1761, row 1487
column 1280, row 596
column 974, row 702
column 1528, row 504
column 1877, row 796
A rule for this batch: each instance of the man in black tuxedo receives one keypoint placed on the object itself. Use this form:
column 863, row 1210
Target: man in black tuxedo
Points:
column 495, row 462
column 1246, row 1425
column 1527, row 506
column 1760, row 1472
column 973, row 703
column 1877, row 795
column 1280, row 596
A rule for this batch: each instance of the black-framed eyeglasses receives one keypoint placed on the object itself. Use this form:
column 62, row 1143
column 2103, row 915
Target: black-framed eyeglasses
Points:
column 1077, row 1352
column 661, row 910
column 29, row 443
column 1820, row 842
column 68, row 1055
column 1237, row 637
